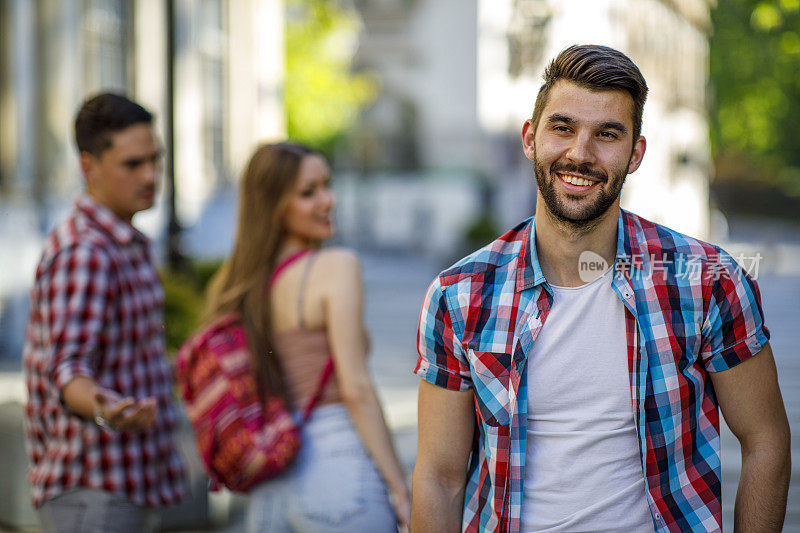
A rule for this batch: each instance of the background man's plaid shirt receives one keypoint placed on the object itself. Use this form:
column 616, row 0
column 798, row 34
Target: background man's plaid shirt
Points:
column 479, row 321
column 97, row 311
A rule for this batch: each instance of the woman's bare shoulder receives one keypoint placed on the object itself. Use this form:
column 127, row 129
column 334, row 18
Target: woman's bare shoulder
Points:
column 336, row 265
column 338, row 258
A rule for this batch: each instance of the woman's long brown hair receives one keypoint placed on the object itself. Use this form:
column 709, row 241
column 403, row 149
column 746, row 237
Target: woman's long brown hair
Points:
column 242, row 283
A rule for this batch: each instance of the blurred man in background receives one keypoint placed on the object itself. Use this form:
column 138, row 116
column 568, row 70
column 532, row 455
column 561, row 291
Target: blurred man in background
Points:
column 580, row 359
column 99, row 421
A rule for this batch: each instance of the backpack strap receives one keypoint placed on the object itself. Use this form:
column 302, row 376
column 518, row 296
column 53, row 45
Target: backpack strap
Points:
column 306, row 270
column 327, row 372
column 285, row 263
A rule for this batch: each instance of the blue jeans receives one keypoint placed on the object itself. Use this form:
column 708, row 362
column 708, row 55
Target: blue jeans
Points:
column 95, row 511
column 333, row 485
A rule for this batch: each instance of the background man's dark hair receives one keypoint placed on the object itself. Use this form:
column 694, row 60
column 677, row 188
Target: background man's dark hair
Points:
column 103, row 115
column 598, row 68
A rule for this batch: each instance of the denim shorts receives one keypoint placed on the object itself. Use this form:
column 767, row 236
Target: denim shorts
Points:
column 332, row 486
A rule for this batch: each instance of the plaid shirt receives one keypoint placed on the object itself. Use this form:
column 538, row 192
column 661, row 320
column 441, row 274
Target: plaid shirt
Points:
column 690, row 310
column 96, row 310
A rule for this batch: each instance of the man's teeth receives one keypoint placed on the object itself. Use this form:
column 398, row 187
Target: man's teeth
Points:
column 575, row 180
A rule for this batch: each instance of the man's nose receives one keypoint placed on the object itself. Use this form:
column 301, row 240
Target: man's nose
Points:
column 150, row 171
column 581, row 150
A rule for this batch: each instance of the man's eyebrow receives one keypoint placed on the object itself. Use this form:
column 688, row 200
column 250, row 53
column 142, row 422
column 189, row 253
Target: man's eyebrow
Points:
column 613, row 125
column 132, row 161
column 558, row 117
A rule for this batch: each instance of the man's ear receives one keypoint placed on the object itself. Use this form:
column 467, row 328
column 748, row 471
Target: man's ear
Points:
column 638, row 154
column 89, row 168
column 528, row 134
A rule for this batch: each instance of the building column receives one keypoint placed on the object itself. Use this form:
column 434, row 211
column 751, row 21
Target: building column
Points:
column 149, row 41
column 61, row 62
column 19, row 110
column 255, row 74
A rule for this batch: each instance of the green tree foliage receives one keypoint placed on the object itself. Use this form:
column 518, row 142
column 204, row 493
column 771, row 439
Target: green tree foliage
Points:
column 755, row 72
column 322, row 96
column 184, row 300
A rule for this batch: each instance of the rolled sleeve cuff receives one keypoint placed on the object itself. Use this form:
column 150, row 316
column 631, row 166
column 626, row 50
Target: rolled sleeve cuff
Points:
column 738, row 353
column 67, row 371
column 441, row 377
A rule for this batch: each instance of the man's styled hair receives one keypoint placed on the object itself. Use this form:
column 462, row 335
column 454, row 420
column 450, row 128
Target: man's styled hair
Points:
column 103, row 115
column 598, row 68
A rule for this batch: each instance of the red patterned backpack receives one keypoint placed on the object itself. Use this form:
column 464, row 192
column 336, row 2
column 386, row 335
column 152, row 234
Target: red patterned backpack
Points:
column 241, row 441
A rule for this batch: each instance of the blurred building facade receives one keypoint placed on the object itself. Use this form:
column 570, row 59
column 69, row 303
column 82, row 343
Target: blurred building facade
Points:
column 438, row 148
column 461, row 76
column 227, row 65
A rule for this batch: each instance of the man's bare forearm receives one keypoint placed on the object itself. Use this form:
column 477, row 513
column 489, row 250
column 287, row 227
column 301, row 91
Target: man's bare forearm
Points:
column 763, row 488
column 437, row 505
column 446, row 431
column 79, row 396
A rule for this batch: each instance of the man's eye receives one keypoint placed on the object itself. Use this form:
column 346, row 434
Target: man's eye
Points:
column 307, row 193
column 561, row 128
column 608, row 135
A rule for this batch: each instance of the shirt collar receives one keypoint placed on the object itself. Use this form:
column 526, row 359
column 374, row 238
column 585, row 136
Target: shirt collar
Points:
column 629, row 248
column 121, row 231
column 529, row 272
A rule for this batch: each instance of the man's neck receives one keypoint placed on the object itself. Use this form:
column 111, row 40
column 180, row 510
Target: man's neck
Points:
column 100, row 200
column 559, row 247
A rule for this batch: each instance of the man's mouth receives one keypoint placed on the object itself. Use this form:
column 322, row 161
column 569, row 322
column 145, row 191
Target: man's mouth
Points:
column 573, row 179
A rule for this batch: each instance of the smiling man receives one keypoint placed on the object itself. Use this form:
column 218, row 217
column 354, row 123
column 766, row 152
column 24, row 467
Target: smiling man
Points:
column 552, row 401
column 99, row 417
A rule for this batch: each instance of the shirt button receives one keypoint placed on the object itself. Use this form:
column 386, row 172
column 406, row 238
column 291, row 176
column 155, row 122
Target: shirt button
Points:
column 658, row 517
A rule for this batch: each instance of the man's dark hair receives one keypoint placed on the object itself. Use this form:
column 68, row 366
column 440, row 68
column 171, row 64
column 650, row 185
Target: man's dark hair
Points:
column 101, row 116
column 598, row 68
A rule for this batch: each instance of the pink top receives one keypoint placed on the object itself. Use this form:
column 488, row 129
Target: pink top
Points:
column 303, row 353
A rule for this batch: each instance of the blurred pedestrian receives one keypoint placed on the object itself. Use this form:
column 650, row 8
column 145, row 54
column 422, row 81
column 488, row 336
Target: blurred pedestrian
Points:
column 99, row 419
column 584, row 354
column 303, row 305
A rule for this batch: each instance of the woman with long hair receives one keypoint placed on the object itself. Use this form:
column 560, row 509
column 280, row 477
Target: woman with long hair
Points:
column 300, row 306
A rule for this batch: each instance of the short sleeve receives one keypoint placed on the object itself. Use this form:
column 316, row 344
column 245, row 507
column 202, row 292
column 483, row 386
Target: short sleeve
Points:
column 442, row 360
column 733, row 329
column 75, row 300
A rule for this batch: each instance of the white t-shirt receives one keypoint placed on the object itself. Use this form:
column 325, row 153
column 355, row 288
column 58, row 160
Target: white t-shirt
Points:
column 583, row 470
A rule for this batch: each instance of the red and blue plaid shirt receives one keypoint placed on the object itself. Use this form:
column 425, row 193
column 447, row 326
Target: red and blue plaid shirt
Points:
column 96, row 310
column 690, row 310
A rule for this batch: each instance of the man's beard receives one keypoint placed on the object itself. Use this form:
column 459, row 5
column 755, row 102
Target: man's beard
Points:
column 587, row 217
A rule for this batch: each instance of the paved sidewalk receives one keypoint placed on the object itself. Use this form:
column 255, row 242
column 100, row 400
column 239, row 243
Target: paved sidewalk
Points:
column 781, row 303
